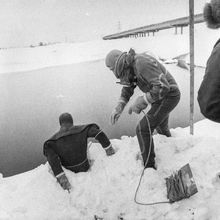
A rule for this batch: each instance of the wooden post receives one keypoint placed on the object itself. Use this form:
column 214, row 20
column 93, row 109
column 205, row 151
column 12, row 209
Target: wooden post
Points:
column 191, row 36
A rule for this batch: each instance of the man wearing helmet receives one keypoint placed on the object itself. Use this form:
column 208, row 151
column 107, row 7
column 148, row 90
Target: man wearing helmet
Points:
column 159, row 89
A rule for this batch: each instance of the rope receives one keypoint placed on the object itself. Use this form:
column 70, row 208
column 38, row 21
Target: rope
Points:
column 142, row 173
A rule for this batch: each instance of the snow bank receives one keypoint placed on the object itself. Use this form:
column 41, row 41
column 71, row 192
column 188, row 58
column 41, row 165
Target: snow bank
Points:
column 24, row 59
column 165, row 46
column 108, row 189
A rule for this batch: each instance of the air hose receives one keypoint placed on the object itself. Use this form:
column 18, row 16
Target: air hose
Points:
column 142, row 173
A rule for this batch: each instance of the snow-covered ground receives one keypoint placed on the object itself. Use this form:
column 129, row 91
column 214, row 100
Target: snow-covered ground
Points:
column 108, row 189
column 164, row 45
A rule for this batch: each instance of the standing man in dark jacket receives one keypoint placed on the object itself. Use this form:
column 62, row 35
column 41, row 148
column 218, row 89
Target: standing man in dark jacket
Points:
column 68, row 148
column 209, row 91
column 159, row 90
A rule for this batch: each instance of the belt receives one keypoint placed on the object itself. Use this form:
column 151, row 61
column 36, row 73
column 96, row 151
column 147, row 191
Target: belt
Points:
column 79, row 164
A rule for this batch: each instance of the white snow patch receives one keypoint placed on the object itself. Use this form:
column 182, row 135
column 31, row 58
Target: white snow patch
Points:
column 166, row 47
column 108, row 189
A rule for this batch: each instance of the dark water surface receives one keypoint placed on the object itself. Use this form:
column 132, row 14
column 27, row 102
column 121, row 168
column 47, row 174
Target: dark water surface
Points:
column 32, row 101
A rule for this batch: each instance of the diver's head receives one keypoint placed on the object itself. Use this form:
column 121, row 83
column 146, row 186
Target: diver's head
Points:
column 66, row 120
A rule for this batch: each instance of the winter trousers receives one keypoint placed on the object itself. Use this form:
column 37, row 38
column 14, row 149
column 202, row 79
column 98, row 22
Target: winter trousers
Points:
column 158, row 117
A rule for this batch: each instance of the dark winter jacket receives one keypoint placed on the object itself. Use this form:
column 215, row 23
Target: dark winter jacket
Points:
column 152, row 78
column 209, row 91
column 69, row 148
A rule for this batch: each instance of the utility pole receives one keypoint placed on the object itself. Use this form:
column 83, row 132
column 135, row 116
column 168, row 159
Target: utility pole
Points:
column 191, row 39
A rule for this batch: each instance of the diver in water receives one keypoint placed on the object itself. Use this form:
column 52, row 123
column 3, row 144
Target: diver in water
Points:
column 68, row 148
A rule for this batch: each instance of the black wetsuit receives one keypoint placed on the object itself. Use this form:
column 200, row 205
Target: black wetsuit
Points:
column 69, row 148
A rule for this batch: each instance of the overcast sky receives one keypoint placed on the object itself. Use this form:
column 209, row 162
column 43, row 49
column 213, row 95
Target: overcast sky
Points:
column 25, row 22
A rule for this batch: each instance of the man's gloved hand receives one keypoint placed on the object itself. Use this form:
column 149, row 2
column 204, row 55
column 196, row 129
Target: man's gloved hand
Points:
column 64, row 182
column 110, row 150
column 138, row 105
column 117, row 112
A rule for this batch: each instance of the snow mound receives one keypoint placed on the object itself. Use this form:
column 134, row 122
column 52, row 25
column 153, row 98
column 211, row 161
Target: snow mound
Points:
column 165, row 46
column 108, row 189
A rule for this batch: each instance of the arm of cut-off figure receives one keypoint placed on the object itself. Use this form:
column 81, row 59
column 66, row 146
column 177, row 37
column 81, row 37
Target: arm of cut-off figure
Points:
column 102, row 138
column 209, row 91
column 151, row 72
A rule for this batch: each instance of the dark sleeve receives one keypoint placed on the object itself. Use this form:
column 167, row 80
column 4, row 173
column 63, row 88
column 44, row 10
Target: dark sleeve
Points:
column 95, row 132
column 209, row 91
column 150, row 72
column 126, row 93
column 52, row 158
